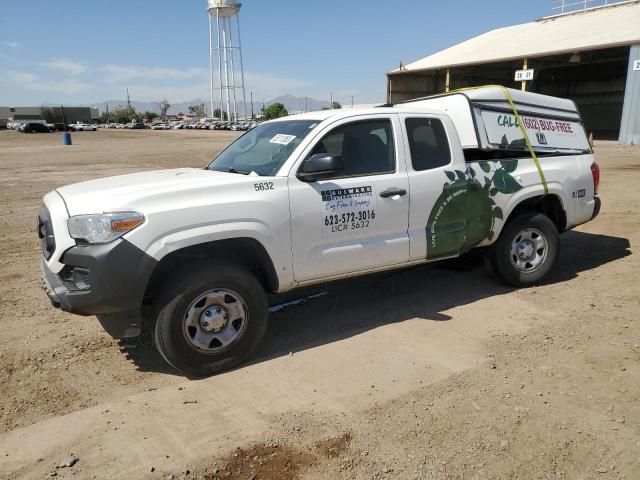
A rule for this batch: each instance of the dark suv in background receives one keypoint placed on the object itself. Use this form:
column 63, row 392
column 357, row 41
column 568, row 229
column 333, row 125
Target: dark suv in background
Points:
column 34, row 128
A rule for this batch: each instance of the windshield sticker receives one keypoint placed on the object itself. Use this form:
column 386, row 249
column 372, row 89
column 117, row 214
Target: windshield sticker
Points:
column 347, row 209
column 283, row 139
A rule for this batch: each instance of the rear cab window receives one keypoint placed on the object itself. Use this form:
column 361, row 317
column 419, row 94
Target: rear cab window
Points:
column 428, row 143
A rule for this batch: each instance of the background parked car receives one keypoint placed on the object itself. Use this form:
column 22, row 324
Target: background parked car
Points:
column 83, row 127
column 34, row 128
column 136, row 126
column 56, row 127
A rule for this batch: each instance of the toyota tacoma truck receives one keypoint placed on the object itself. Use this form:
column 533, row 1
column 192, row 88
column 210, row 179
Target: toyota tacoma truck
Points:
column 313, row 198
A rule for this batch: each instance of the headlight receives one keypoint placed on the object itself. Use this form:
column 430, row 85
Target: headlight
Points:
column 103, row 228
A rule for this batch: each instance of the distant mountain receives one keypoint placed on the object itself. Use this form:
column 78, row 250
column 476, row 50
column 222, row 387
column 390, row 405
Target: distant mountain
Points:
column 146, row 106
column 299, row 104
column 292, row 104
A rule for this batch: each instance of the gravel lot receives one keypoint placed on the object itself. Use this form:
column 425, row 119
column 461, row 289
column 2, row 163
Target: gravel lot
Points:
column 433, row 373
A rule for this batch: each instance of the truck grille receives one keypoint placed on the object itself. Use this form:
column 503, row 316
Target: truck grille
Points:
column 45, row 233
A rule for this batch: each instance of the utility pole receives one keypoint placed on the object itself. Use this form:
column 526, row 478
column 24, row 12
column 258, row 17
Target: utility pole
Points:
column 64, row 120
column 331, row 102
column 306, row 104
column 107, row 106
column 352, row 101
column 128, row 99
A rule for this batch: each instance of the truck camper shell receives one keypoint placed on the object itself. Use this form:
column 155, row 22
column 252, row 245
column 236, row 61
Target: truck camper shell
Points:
column 487, row 125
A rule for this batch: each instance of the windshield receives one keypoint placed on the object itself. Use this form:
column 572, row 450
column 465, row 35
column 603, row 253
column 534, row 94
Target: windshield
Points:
column 264, row 149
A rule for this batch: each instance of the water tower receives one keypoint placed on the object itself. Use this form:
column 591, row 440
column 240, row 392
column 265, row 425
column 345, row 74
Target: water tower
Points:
column 226, row 74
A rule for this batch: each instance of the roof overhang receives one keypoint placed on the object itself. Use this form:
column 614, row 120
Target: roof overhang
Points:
column 612, row 26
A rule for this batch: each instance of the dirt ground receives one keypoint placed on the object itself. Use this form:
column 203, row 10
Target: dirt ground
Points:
column 434, row 373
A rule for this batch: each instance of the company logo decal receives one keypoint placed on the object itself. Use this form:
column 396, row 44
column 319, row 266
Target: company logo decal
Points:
column 346, row 193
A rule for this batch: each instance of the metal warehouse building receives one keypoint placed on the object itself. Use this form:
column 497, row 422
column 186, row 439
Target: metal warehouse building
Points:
column 591, row 56
column 52, row 114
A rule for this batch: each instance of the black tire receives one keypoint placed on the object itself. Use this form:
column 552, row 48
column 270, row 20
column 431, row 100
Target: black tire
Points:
column 502, row 260
column 175, row 300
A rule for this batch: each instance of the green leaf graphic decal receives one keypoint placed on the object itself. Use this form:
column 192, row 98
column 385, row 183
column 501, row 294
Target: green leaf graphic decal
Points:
column 509, row 166
column 505, row 183
column 465, row 214
column 446, row 223
column 480, row 215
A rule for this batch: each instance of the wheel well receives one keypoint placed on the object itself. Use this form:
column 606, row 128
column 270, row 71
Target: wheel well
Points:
column 246, row 252
column 550, row 205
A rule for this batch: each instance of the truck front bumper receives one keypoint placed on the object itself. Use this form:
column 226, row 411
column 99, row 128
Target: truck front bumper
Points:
column 105, row 280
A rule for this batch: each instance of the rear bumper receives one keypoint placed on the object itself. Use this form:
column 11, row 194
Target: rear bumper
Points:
column 596, row 208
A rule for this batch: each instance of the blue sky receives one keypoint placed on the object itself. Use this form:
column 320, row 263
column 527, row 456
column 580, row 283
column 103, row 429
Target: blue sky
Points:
column 85, row 51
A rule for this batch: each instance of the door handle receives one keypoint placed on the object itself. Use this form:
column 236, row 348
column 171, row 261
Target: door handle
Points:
column 392, row 192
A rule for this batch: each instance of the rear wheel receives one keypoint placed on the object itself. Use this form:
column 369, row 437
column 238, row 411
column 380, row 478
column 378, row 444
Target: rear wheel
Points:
column 526, row 251
column 210, row 319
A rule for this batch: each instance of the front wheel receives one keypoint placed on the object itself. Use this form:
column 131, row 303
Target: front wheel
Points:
column 527, row 249
column 210, row 318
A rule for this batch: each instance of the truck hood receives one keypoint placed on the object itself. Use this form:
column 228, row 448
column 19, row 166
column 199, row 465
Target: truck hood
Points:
column 141, row 191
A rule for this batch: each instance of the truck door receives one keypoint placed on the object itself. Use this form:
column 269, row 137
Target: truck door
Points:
column 359, row 219
column 439, row 187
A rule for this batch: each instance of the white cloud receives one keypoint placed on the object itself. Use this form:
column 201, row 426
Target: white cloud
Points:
column 269, row 86
column 29, row 82
column 153, row 83
column 145, row 92
column 123, row 73
column 145, row 83
column 12, row 44
column 67, row 66
column 70, row 88
column 20, row 77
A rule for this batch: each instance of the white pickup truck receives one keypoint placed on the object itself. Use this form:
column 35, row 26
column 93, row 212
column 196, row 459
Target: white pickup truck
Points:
column 312, row 198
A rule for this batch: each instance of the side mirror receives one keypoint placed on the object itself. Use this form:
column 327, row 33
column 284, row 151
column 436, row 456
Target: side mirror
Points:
column 319, row 166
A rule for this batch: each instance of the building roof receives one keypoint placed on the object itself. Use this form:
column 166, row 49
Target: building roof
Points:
column 591, row 29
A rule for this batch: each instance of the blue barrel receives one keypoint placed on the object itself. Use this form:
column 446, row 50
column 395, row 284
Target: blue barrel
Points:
column 66, row 138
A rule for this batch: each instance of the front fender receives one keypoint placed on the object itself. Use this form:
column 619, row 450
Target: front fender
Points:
column 278, row 250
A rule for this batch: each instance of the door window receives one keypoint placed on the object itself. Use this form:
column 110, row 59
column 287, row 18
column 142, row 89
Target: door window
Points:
column 428, row 143
column 366, row 147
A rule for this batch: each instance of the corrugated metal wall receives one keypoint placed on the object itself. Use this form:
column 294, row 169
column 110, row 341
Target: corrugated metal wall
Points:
column 630, row 127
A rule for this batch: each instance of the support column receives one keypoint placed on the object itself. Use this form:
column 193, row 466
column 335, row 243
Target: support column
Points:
column 630, row 124
column 525, row 66
column 220, row 67
column 244, row 93
column 211, row 61
column 225, row 46
column 447, row 81
column 233, row 71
